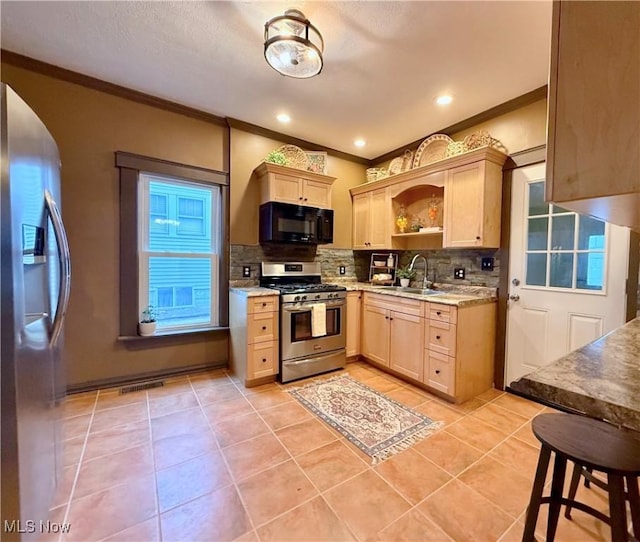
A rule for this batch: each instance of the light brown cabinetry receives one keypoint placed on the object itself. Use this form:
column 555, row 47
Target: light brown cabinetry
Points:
column 371, row 218
column 473, row 195
column 354, row 307
column 593, row 147
column 468, row 187
column 253, row 323
column 295, row 186
column 393, row 333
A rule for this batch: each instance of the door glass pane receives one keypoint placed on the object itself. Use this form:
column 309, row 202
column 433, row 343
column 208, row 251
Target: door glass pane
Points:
column 537, row 206
column 557, row 209
column 590, row 271
column 561, row 272
column 562, row 232
column 590, row 234
column 537, row 235
column 536, row 269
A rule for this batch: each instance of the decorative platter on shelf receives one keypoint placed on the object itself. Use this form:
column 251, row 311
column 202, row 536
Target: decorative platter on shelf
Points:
column 432, row 149
column 295, row 156
column 401, row 163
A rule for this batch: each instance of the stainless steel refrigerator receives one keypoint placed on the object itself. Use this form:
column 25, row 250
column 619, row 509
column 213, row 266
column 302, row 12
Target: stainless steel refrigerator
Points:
column 35, row 277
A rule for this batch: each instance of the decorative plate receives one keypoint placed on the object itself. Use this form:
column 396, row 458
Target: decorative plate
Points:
column 455, row 148
column 483, row 139
column 295, row 156
column 402, row 163
column 432, row 149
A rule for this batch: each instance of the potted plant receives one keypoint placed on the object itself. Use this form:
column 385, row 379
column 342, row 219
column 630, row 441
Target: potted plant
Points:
column 147, row 324
column 405, row 274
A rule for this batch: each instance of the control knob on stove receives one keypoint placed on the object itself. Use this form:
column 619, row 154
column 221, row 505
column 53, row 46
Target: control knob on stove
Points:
column 296, row 298
column 303, row 298
column 317, row 296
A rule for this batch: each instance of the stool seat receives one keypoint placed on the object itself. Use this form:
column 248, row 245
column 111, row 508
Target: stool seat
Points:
column 591, row 445
column 590, row 442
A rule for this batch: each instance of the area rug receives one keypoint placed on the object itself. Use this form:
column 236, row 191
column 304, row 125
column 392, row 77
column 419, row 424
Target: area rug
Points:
column 376, row 424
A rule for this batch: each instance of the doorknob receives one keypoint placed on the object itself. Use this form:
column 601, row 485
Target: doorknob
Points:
column 514, row 297
column 515, row 282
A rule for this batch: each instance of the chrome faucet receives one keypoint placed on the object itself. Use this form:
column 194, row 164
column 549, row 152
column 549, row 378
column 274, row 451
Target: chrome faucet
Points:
column 426, row 283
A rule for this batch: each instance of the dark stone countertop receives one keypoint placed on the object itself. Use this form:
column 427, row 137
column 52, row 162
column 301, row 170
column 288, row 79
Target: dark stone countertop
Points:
column 601, row 379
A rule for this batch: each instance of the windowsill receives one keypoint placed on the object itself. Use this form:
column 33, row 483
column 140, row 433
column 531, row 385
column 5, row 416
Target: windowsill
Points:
column 162, row 335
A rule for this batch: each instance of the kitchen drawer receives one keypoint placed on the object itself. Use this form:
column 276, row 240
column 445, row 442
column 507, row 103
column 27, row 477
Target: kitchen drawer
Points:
column 262, row 327
column 439, row 372
column 262, row 360
column 443, row 313
column 441, row 337
column 404, row 305
column 262, row 304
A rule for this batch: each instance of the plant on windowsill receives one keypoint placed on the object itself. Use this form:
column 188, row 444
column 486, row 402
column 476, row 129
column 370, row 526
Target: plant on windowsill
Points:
column 147, row 324
column 405, row 275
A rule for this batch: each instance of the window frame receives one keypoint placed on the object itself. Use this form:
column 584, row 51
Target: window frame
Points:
column 131, row 166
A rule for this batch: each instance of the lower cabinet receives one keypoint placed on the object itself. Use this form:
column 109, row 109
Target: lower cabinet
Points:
column 393, row 333
column 446, row 348
column 253, row 341
column 354, row 306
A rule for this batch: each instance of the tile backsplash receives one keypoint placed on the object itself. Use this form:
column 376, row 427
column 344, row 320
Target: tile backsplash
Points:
column 356, row 263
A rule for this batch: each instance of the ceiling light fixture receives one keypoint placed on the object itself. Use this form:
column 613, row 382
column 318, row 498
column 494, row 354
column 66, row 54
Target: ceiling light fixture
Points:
column 444, row 100
column 283, row 117
column 359, row 142
column 293, row 46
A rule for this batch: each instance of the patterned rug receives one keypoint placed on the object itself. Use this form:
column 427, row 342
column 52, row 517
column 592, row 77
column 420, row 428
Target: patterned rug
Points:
column 379, row 426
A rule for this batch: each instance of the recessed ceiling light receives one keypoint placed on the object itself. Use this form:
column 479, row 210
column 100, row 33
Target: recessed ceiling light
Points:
column 359, row 142
column 283, row 117
column 444, row 99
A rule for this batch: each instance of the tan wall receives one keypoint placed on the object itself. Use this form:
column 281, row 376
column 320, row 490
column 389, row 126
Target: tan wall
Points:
column 247, row 151
column 89, row 126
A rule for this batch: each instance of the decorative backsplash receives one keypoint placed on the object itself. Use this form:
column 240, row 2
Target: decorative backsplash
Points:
column 356, row 263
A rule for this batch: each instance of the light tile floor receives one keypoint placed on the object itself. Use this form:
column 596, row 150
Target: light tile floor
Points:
column 205, row 459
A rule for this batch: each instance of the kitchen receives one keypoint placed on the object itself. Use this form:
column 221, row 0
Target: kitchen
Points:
column 90, row 125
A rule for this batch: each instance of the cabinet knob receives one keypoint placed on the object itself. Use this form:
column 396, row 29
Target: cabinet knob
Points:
column 305, row 199
column 300, row 198
column 264, row 304
column 437, row 371
column 386, row 317
column 390, row 318
column 438, row 313
column 265, row 327
column 264, row 360
column 477, row 237
column 437, row 336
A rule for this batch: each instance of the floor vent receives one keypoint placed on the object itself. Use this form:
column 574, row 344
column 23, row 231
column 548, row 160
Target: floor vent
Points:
column 141, row 386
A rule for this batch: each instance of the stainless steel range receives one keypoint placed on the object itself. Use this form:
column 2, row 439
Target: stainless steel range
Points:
column 312, row 319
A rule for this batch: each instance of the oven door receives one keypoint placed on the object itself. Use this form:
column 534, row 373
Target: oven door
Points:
column 296, row 340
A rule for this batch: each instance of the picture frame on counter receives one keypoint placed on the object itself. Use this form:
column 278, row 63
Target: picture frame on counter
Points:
column 317, row 162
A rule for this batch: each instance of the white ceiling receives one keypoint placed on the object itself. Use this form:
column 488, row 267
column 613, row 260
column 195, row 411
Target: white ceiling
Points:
column 385, row 62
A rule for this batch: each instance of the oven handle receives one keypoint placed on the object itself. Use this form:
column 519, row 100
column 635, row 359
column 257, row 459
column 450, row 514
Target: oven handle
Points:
column 307, row 308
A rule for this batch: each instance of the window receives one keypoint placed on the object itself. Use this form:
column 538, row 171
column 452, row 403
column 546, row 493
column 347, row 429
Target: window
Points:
column 178, row 250
column 564, row 249
column 173, row 245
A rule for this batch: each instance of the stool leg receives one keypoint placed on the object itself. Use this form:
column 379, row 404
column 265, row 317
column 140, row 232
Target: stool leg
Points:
column 617, row 511
column 559, row 470
column 634, row 504
column 573, row 487
column 587, row 483
column 536, row 495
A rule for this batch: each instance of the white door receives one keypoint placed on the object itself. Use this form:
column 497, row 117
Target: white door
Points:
column 567, row 275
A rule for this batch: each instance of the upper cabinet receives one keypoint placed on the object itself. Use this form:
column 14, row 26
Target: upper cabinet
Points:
column 593, row 151
column 297, row 186
column 473, row 197
column 452, row 203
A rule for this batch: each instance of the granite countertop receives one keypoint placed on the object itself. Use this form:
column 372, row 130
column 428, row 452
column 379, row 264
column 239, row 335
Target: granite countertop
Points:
column 254, row 291
column 459, row 296
column 601, row 379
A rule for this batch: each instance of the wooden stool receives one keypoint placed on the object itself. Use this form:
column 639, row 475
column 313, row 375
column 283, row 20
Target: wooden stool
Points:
column 591, row 445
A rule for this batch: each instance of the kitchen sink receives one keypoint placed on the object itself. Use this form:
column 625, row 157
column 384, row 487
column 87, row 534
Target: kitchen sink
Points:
column 419, row 291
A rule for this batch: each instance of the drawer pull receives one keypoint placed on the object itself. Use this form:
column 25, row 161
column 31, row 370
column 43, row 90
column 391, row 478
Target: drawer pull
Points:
column 438, row 313
column 264, row 328
column 386, row 317
column 390, row 318
column 437, row 371
column 438, row 337
column 264, row 304
column 264, row 360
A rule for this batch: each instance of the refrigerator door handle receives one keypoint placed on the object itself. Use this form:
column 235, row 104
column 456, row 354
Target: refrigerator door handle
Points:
column 65, row 266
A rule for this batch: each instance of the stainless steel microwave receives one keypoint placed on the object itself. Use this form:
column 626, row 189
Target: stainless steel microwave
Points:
column 286, row 223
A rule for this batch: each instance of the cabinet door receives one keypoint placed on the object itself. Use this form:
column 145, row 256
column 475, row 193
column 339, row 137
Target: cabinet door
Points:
column 464, row 206
column 379, row 220
column 316, row 194
column 354, row 304
column 361, row 221
column 375, row 334
column 440, row 372
column 286, row 189
column 407, row 344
